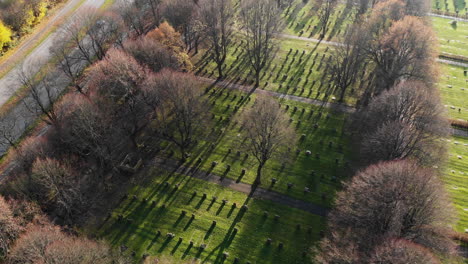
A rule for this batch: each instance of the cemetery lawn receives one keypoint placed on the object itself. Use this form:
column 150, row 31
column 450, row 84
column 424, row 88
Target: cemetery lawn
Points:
column 452, row 6
column 289, row 72
column 302, row 20
column 456, row 178
column 320, row 171
column 453, row 85
column 452, row 39
column 140, row 234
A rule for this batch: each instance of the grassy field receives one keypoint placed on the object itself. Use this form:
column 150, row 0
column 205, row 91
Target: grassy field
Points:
column 242, row 234
column 450, row 6
column 318, row 131
column 297, row 69
column 456, row 178
column 452, row 39
column 454, row 90
column 302, row 20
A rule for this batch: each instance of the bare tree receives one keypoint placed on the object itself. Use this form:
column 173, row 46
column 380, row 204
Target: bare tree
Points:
column 347, row 62
column 92, row 33
column 9, row 228
column 69, row 61
column 182, row 15
column 261, row 20
column 267, row 131
column 134, row 18
column 405, row 51
column 57, row 186
column 48, row 244
column 183, row 117
column 391, row 200
column 402, row 252
column 42, row 92
column 8, row 132
column 407, row 121
column 153, row 54
column 217, row 19
column 326, row 11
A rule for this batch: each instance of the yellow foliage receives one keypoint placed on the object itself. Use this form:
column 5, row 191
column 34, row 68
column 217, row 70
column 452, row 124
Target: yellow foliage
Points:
column 41, row 11
column 5, row 35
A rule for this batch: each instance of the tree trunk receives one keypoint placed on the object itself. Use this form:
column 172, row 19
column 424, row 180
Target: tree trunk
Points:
column 258, row 179
column 257, row 79
column 220, row 71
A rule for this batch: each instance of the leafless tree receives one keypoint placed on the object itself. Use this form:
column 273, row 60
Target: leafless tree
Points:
column 217, row 19
column 407, row 121
column 69, row 61
column 267, row 131
column 42, row 92
column 9, row 227
column 183, row 16
column 326, row 11
column 183, row 117
column 55, row 185
column 8, row 135
column 347, row 62
column 391, row 200
column 402, row 252
column 135, row 19
column 152, row 53
column 48, row 244
column 92, row 33
column 405, row 51
column 261, row 20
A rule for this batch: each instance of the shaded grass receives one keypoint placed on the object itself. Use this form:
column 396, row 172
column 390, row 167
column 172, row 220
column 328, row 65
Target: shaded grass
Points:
column 248, row 243
column 319, row 130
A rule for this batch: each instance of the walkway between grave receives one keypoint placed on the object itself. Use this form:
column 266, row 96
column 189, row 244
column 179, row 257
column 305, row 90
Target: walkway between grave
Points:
column 261, row 193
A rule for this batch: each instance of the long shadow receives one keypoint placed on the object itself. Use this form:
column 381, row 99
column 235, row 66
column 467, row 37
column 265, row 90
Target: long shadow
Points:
column 187, row 251
column 176, row 246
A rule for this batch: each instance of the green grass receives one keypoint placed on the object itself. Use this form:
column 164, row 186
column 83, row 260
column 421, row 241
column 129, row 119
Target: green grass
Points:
column 456, row 179
column 320, row 174
column 452, row 39
column 453, row 85
column 303, row 20
column 290, row 72
column 450, row 6
column 247, row 244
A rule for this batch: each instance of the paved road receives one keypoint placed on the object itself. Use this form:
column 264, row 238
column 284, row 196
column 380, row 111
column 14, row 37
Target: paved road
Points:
column 9, row 84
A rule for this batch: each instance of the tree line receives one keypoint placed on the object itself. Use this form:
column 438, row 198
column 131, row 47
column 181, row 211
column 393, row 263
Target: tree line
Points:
column 395, row 209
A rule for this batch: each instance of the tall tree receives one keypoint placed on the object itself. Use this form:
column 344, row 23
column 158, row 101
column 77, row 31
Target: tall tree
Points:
column 407, row 121
column 217, row 19
column 326, row 11
column 183, row 117
column 261, row 20
column 405, row 51
column 390, row 200
column 347, row 62
column 267, row 131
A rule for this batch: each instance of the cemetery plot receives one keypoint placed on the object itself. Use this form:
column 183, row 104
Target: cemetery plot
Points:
column 188, row 218
column 303, row 20
column 450, row 7
column 298, row 69
column 453, row 38
column 454, row 90
column 456, row 179
column 312, row 170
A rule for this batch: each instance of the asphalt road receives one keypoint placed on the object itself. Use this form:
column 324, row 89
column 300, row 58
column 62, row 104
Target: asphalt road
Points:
column 9, row 84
